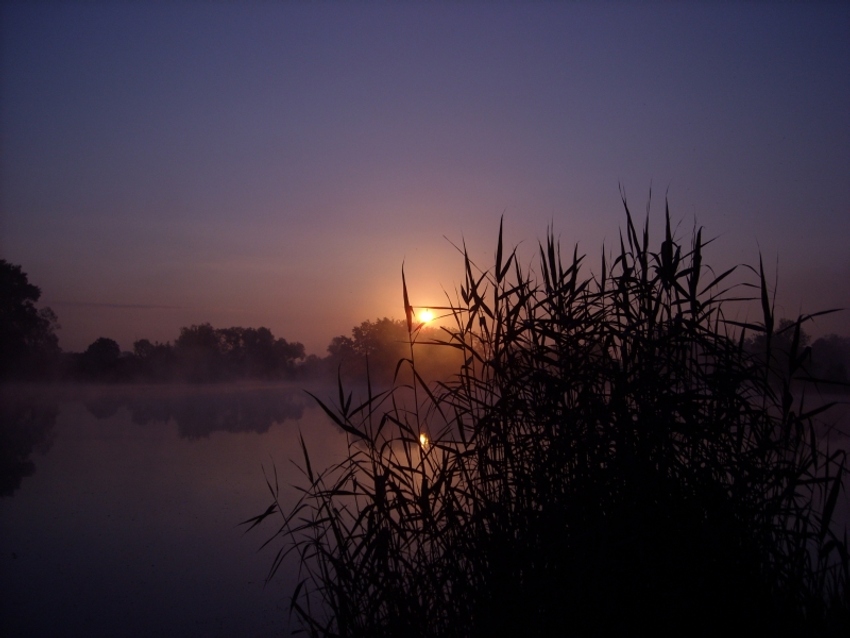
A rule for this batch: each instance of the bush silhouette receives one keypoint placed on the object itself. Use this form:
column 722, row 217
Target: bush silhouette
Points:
column 610, row 459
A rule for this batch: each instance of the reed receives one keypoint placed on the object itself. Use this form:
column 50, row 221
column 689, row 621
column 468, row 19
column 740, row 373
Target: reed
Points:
column 608, row 459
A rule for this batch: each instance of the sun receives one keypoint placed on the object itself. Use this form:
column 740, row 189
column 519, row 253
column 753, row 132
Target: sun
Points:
column 426, row 316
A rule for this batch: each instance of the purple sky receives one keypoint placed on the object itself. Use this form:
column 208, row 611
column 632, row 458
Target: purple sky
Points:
column 265, row 163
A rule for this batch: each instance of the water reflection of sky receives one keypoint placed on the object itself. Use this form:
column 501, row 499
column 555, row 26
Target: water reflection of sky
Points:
column 200, row 411
column 123, row 517
column 128, row 523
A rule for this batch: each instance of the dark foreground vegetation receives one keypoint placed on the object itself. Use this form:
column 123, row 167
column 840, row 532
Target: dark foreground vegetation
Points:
column 615, row 456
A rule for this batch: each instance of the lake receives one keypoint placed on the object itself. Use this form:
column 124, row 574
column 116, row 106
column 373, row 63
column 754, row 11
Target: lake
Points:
column 124, row 518
column 120, row 506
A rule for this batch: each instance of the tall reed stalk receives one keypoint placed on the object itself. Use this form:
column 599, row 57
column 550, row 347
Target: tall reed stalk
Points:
column 608, row 459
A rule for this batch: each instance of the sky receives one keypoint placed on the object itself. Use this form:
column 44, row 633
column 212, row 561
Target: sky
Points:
column 164, row 164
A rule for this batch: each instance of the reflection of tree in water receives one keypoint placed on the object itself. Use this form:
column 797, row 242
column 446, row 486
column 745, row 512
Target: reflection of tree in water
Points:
column 239, row 412
column 151, row 409
column 200, row 413
column 104, row 406
column 26, row 425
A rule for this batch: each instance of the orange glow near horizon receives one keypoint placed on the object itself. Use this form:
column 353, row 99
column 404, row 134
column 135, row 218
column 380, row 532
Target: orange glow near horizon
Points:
column 426, row 316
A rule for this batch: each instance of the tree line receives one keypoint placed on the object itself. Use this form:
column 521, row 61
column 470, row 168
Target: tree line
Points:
column 199, row 354
column 204, row 354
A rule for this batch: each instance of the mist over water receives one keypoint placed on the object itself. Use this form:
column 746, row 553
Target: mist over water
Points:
column 206, row 193
column 123, row 518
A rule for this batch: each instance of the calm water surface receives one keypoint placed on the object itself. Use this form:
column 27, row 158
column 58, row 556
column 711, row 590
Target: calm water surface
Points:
column 120, row 508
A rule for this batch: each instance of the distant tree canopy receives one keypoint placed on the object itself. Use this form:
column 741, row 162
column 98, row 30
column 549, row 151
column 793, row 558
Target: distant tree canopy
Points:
column 826, row 359
column 201, row 354
column 30, row 349
column 101, row 359
column 383, row 343
column 204, row 353
column 154, row 361
column 28, row 334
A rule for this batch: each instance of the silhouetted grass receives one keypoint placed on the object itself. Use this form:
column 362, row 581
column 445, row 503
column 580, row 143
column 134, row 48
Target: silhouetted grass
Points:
column 609, row 459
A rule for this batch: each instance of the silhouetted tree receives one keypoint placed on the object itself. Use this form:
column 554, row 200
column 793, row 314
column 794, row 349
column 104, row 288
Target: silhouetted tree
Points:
column 30, row 347
column 206, row 354
column 288, row 354
column 154, row 361
column 341, row 348
column 198, row 352
column 255, row 353
column 383, row 343
column 101, row 360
